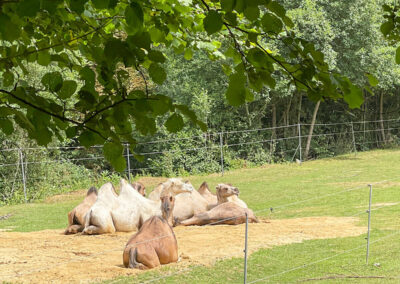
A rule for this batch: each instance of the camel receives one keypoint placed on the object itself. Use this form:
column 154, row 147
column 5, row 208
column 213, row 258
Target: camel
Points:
column 76, row 217
column 213, row 200
column 186, row 204
column 123, row 213
column 155, row 243
column 225, row 209
column 139, row 187
column 228, row 213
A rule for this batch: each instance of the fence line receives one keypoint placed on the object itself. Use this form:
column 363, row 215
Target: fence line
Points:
column 321, row 260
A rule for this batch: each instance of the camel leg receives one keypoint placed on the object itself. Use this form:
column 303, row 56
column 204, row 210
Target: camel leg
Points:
column 71, row 215
column 74, row 229
column 95, row 230
column 192, row 221
column 146, row 257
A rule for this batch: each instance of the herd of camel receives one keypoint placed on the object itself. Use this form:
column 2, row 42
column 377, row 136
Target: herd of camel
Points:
column 172, row 203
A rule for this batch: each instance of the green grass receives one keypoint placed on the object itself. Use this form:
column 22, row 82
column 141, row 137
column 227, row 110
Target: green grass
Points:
column 274, row 186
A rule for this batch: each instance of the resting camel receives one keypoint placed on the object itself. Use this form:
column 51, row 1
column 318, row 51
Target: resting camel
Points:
column 186, row 204
column 213, row 199
column 155, row 243
column 76, row 217
column 225, row 209
column 139, row 187
column 122, row 213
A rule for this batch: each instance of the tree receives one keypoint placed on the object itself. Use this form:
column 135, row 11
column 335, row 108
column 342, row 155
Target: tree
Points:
column 100, row 42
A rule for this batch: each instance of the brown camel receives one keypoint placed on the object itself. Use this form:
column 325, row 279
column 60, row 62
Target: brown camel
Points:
column 227, row 213
column 222, row 188
column 225, row 209
column 76, row 217
column 139, row 187
column 155, row 242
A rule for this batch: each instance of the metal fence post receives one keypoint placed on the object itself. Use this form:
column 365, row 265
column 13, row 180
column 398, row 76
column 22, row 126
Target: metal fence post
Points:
column 369, row 220
column 354, row 139
column 222, row 153
column 21, row 156
column 128, row 162
column 245, row 248
column 299, row 130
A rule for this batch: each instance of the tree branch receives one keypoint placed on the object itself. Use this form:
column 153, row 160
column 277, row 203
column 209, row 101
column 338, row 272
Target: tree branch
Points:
column 62, row 118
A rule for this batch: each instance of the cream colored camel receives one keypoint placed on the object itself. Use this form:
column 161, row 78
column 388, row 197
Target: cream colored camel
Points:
column 123, row 213
column 155, row 243
column 186, row 204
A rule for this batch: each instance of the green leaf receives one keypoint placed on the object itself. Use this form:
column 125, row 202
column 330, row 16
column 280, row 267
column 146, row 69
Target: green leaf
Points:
column 398, row 55
column 355, row 97
column 28, row 8
column 134, row 18
column 44, row 58
column 53, row 81
column 89, row 138
column 174, row 123
column 228, row 5
column 271, row 23
column 249, row 95
column 231, row 18
column 157, row 73
column 236, row 93
column 212, row 22
column 372, row 80
column 68, row 89
column 188, row 54
column 71, row 132
column 88, row 76
column 8, row 30
column 8, row 78
column 100, row 4
column 252, row 13
column 113, row 153
column 156, row 56
column 6, row 126
column 387, row 27
column 77, row 6
column 277, row 8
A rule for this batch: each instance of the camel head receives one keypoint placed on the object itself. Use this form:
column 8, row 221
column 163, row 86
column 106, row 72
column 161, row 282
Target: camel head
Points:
column 226, row 190
column 175, row 186
column 139, row 187
column 167, row 208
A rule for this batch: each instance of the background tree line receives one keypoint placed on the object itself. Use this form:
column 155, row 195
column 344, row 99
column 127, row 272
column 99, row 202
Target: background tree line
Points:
column 347, row 32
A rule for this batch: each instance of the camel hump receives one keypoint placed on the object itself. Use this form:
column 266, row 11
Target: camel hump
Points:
column 92, row 190
column 204, row 187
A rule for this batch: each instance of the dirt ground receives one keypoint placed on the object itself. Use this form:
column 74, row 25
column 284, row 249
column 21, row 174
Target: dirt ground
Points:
column 50, row 256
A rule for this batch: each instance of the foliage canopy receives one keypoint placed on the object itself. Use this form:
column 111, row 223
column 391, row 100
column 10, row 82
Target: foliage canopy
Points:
column 90, row 47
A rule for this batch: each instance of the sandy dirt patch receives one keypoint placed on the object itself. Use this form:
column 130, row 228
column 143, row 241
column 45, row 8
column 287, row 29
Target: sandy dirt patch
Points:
column 50, row 256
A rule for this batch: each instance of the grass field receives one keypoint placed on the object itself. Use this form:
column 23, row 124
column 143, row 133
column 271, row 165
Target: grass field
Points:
column 328, row 187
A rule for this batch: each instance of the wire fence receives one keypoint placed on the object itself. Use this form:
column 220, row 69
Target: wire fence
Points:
column 23, row 171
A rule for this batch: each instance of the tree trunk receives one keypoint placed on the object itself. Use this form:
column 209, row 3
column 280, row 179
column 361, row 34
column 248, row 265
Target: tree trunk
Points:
column 381, row 119
column 314, row 117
